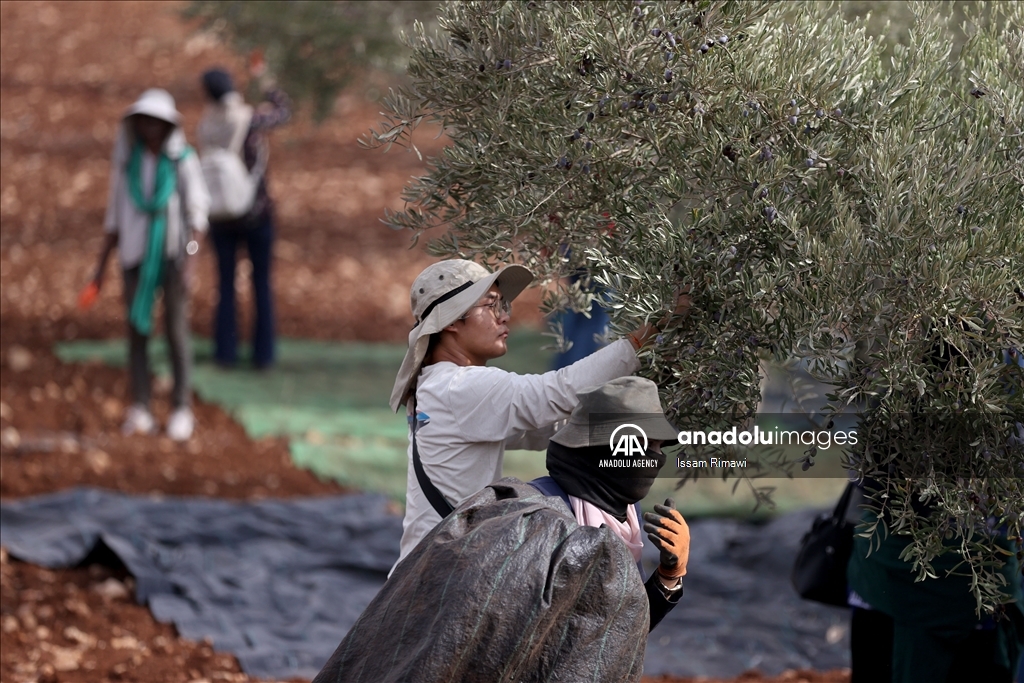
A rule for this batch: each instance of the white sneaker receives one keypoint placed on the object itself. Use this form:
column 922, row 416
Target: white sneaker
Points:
column 138, row 421
column 181, row 424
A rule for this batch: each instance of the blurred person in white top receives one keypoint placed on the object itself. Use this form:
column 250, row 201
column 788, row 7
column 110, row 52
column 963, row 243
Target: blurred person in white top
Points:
column 157, row 203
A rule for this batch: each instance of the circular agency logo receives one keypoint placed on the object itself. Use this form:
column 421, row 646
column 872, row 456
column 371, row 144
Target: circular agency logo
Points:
column 628, row 443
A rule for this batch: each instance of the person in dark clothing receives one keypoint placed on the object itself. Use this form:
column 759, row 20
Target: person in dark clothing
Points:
column 226, row 120
column 610, row 496
column 904, row 630
column 539, row 581
column 909, row 631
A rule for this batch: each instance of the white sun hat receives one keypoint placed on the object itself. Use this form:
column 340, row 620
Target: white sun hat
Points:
column 440, row 295
column 158, row 103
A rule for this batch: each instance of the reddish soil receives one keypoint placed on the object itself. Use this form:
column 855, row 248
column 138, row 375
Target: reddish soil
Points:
column 67, row 70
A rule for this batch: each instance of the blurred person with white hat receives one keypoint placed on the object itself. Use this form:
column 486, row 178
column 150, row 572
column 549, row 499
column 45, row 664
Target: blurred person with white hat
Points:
column 464, row 414
column 156, row 204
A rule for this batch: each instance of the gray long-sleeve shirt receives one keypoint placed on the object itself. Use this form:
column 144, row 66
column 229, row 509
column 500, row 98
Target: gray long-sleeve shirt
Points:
column 476, row 412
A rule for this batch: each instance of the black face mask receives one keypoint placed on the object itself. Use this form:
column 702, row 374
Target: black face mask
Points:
column 612, row 489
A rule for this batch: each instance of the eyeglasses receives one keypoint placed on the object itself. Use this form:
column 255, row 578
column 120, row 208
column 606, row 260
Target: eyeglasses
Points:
column 497, row 306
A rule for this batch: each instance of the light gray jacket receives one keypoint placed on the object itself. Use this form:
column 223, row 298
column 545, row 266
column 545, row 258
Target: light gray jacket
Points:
column 190, row 202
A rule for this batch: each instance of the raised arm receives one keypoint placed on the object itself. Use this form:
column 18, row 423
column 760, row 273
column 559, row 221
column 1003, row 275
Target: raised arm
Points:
column 494, row 405
column 641, row 336
column 275, row 110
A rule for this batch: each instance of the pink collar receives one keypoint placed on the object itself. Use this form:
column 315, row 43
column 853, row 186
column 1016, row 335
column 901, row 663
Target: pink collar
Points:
column 588, row 514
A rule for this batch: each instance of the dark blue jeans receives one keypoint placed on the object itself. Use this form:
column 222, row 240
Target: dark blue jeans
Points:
column 257, row 234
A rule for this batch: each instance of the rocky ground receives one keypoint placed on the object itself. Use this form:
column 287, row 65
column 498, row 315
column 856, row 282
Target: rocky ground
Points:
column 67, row 70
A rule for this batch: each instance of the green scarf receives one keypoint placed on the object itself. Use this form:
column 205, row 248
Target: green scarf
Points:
column 141, row 313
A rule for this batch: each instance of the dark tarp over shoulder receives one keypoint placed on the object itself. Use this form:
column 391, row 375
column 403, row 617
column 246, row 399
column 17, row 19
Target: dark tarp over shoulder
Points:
column 507, row 588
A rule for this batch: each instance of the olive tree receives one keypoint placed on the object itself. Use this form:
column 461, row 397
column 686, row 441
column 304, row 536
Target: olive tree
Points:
column 315, row 47
column 921, row 267
column 821, row 192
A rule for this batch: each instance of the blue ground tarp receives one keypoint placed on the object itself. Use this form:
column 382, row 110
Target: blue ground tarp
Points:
column 279, row 583
column 276, row 583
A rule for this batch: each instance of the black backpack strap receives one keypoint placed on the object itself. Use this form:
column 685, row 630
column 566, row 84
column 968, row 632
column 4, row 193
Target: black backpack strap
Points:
column 550, row 487
column 436, row 499
column 843, row 505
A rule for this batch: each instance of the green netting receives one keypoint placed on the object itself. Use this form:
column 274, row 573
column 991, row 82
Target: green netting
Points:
column 330, row 400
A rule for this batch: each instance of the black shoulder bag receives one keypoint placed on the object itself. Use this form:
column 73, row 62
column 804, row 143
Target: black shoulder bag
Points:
column 436, row 499
column 819, row 572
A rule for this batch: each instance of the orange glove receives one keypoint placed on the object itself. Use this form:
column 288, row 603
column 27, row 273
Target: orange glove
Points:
column 87, row 297
column 669, row 533
column 257, row 65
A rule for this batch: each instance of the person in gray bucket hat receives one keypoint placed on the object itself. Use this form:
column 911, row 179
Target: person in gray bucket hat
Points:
column 602, row 482
column 464, row 414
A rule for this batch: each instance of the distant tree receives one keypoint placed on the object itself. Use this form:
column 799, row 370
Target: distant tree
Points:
column 892, row 20
column 821, row 198
column 315, row 47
